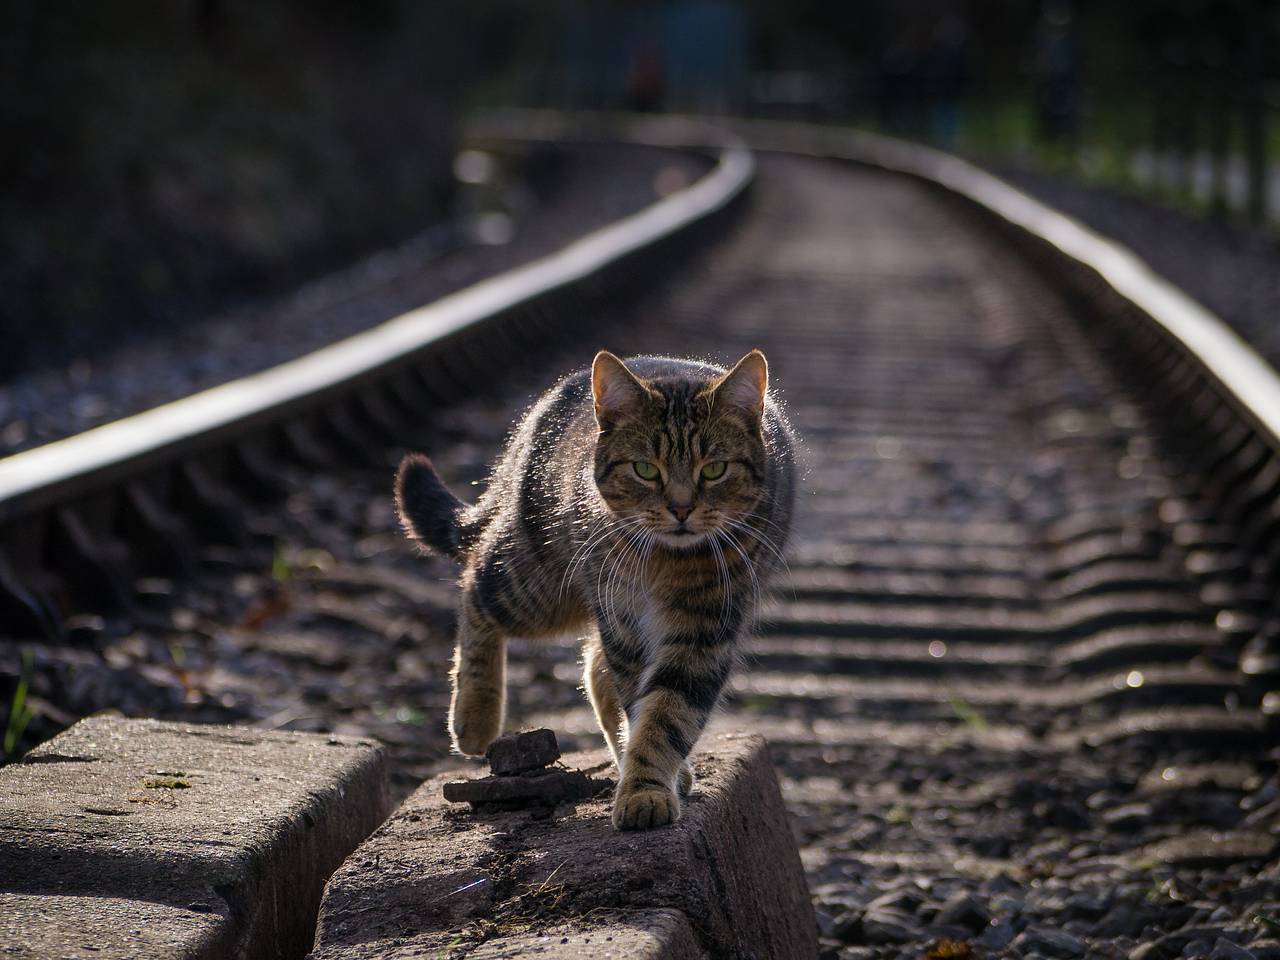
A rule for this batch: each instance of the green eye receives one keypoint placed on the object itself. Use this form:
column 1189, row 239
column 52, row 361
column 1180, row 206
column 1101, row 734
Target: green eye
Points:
column 714, row 470
column 645, row 470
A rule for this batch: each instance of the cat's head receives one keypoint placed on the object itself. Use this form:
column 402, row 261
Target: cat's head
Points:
column 680, row 455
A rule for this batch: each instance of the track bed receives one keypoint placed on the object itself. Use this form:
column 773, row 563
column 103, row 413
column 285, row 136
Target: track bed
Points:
column 1003, row 713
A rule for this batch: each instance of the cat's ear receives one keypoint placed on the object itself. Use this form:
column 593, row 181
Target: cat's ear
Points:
column 615, row 389
column 745, row 385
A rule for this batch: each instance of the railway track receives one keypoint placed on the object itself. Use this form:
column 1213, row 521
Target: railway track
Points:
column 1018, row 674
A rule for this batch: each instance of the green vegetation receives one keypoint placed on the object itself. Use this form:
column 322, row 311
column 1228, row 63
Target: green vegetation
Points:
column 20, row 713
column 1092, row 91
column 970, row 716
column 173, row 782
column 1271, row 923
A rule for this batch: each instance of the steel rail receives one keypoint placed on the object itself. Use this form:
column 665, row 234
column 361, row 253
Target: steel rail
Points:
column 81, row 519
column 36, row 478
column 1232, row 362
column 1222, row 396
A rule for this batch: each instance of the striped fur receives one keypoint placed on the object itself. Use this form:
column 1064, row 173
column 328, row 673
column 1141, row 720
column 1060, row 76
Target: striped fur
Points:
column 663, row 575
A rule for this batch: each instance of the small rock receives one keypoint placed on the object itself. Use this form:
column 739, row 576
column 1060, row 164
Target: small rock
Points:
column 963, row 910
column 1226, row 950
column 826, row 923
column 1001, row 883
column 904, row 900
column 1082, row 906
column 517, row 753
column 1051, row 943
column 889, row 926
column 1122, row 920
column 1264, row 816
column 1205, row 848
column 1129, row 818
column 1176, row 943
column 1066, row 814
column 848, row 926
column 1266, row 794
column 1220, row 915
column 997, row 936
column 994, row 846
column 546, row 788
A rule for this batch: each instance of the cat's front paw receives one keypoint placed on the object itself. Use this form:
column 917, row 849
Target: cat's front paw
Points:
column 645, row 807
column 474, row 729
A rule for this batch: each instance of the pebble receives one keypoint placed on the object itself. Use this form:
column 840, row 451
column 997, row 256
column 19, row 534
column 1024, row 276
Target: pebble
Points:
column 516, row 753
column 1065, row 814
column 1267, row 815
column 1050, row 943
column 826, row 923
column 1224, row 949
column 1129, row 818
column 997, row 936
column 1206, row 848
column 889, row 926
column 963, row 910
column 1261, row 797
column 848, row 926
column 905, row 900
column 1084, row 906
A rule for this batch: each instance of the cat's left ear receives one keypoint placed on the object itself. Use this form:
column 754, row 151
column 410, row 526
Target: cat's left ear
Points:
column 744, row 386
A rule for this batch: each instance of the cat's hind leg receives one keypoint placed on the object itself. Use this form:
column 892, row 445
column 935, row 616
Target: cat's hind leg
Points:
column 684, row 781
column 603, row 693
column 479, row 678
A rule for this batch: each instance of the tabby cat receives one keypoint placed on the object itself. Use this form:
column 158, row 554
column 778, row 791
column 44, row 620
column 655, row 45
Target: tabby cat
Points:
column 645, row 503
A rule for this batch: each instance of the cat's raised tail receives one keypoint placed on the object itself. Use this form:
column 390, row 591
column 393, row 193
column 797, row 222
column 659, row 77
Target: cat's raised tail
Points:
column 429, row 512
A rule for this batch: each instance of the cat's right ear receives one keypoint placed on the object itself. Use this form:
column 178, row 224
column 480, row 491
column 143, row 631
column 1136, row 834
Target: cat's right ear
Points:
column 616, row 391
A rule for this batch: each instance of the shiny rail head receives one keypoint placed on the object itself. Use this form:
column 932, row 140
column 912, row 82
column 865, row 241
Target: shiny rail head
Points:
column 54, row 472
column 1243, row 376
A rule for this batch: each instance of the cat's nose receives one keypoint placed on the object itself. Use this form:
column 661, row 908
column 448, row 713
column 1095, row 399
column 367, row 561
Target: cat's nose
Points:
column 681, row 511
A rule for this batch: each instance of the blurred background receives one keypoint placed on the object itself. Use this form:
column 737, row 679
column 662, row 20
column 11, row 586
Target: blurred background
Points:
column 170, row 157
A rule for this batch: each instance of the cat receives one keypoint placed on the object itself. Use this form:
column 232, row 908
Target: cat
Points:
column 644, row 502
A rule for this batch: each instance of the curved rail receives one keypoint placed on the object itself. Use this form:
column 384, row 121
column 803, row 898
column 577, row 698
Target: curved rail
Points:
column 1224, row 395
column 37, row 477
column 1235, row 365
column 74, row 512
